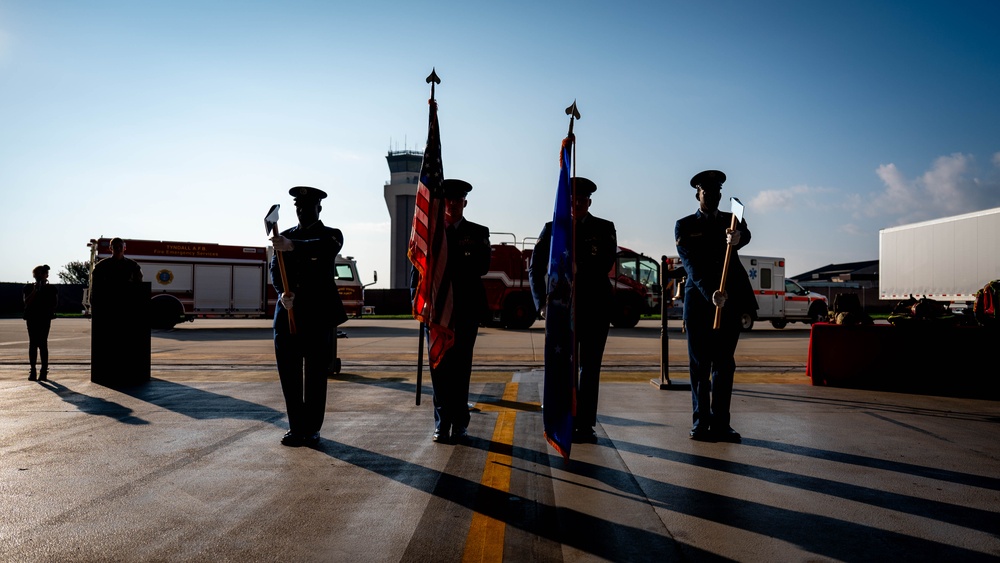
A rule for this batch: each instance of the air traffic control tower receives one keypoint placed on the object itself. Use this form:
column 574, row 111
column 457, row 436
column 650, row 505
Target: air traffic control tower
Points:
column 401, row 198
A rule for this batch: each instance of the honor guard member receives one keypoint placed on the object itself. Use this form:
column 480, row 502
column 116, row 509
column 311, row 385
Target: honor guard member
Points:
column 309, row 252
column 595, row 251
column 468, row 260
column 701, row 244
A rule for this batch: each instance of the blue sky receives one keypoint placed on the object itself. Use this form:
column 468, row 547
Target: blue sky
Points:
column 186, row 120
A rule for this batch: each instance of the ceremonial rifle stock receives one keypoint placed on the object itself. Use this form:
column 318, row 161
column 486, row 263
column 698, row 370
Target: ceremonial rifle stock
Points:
column 271, row 224
column 737, row 218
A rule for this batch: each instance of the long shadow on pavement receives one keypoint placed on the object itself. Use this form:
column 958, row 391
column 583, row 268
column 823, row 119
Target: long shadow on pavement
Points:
column 590, row 534
column 198, row 403
column 93, row 405
column 814, row 533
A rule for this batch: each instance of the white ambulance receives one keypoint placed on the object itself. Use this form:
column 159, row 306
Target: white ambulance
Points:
column 780, row 300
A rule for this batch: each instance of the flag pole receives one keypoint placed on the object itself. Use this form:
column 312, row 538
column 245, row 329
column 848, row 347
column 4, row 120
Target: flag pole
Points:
column 574, row 113
column 432, row 80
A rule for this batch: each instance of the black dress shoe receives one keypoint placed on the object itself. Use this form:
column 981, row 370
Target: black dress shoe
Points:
column 701, row 434
column 43, row 376
column 727, row 434
column 291, row 440
column 440, row 436
column 584, row 436
column 311, row 441
column 460, row 436
column 32, row 377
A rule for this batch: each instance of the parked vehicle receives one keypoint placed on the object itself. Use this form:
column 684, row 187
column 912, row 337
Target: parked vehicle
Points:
column 204, row 280
column 779, row 300
column 946, row 259
column 634, row 276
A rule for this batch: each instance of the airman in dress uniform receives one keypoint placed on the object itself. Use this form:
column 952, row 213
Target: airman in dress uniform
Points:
column 468, row 260
column 309, row 251
column 701, row 244
column 595, row 251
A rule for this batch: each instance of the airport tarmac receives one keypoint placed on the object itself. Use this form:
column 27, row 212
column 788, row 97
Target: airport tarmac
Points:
column 188, row 466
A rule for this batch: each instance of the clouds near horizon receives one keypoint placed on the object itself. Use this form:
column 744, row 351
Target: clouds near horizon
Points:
column 952, row 185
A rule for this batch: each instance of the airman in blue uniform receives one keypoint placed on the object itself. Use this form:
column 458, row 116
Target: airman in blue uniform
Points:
column 701, row 244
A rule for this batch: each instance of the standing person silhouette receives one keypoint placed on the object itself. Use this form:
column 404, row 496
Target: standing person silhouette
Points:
column 595, row 251
column 309, row 251
column 701, row 244
column 40, row 300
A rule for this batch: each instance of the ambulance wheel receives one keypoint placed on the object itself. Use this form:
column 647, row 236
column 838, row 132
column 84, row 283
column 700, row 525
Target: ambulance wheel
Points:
column 779, row 324
column 165, row 311
column 746, row 322
column 518, row 312
column 818, row 313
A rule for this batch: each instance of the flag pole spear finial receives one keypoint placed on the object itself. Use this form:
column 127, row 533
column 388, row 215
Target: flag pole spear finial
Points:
column 573, row 113
column 432, row 80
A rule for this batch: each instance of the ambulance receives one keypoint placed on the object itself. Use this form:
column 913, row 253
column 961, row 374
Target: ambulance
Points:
column 779, row 300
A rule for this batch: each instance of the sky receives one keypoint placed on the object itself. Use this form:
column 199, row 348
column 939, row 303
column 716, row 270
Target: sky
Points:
column 186, row 120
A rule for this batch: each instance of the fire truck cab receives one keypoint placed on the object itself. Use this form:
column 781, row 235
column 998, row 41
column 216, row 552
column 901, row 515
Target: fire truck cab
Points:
column 634, row 279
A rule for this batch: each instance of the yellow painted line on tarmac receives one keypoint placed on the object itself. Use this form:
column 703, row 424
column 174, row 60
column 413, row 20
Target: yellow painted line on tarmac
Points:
column 485, row 539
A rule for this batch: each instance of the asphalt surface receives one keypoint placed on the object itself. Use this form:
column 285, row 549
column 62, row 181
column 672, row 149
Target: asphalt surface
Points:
column 188, row 466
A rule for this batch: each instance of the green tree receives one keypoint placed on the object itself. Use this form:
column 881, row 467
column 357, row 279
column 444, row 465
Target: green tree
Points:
column 76, row 272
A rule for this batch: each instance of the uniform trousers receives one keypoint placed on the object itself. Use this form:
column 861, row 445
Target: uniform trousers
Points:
column 591, row 337
column 450, row 379
column 712, row 368
column 304, row 361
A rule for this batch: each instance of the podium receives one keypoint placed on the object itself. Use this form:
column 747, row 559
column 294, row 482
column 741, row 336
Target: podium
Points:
column 120, row 335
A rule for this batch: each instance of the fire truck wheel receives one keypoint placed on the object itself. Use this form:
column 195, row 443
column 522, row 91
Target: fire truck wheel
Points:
column 518, row 312
column 165, row 311
column 779, row 324
column 627, row 314
column 746, row 322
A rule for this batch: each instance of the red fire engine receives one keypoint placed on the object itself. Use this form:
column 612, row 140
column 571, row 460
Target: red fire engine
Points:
column 634, row 277
column 204, row 280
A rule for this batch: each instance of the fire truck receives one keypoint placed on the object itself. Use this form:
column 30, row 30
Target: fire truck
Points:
column 779, row 300
column 203, row 280
column 634, row 277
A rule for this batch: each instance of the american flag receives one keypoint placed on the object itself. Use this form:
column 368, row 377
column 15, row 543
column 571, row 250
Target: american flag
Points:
column 559, row 395
column 428, row 249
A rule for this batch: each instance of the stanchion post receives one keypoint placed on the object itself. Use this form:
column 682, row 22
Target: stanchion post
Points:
column 664, row 381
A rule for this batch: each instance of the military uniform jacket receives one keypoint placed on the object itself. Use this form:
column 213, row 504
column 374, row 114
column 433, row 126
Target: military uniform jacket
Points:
column 701, row 245
column 468, row 261
column 311, row 271
column 596, row 249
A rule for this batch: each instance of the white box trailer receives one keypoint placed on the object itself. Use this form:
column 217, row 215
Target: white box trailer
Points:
column 946, row 259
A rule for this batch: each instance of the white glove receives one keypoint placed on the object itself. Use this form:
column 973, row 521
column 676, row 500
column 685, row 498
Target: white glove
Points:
column 287, row 300
column 732, row 237
column 719, row 299
column 282, row 244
